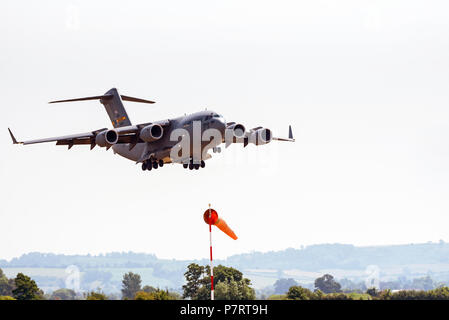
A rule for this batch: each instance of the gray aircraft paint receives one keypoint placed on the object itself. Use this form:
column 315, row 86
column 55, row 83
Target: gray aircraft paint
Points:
column 162, row 147
column 196, row 126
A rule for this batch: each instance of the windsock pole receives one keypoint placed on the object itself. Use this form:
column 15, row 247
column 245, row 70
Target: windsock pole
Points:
column 211, row 261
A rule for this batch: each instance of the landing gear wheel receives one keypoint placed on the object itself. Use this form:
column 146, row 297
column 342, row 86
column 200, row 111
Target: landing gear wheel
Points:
column 196, row 166
column 144, row 166
column 149, row 167
column 191, row 166
column 161, row 163
column 203, row 164
column 155, row 165
column 185, row 165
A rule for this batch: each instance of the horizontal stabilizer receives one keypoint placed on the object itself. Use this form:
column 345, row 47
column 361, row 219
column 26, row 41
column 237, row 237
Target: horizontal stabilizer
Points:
column 105, row 97
column 127, row 98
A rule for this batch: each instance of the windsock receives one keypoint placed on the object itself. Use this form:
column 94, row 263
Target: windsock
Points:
column 218, row 222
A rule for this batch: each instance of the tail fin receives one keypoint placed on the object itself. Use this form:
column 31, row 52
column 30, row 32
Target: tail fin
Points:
column 113, row 104
column 115, row 109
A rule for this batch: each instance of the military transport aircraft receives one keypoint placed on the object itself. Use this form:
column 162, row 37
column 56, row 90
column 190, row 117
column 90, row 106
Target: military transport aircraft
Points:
column 167, row 141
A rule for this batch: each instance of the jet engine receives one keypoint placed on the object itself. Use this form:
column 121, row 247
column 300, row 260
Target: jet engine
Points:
column 237, row 130
column 234, row 133
column 260, row 136
column 151, row 133
column 106, row 138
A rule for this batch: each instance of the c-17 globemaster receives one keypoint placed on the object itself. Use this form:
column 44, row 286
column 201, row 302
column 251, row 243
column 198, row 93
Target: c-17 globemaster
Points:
column 185, row 140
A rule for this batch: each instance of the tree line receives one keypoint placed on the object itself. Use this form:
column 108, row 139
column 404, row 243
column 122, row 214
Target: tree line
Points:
column 327, row 288
column 229, row 284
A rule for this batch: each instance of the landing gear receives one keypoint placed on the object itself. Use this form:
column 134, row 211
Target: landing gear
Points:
column 195, row 166
column 152, row 164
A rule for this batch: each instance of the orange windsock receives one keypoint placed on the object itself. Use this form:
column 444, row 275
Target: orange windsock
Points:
column 222, row 225
column 211, row 217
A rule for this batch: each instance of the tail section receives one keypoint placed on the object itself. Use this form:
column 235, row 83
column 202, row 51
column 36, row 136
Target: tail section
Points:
column 113, row 103
column 115, row 109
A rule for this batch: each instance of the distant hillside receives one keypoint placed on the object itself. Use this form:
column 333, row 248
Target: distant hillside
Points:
column 341, row 256
column 310, row 258
column 344, row 261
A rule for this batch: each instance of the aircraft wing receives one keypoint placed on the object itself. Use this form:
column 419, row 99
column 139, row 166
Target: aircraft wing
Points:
column 283, row 139
column 128, row 134
column 254, row 136
column 73, row 139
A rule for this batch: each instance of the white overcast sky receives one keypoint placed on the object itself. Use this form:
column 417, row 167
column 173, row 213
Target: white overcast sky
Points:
column 365, row 85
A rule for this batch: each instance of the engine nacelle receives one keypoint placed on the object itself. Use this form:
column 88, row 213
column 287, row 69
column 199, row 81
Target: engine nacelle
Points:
column 260, row 136
column 106, row 138
column 237, row 131
column 234, row 133
column 151, row 133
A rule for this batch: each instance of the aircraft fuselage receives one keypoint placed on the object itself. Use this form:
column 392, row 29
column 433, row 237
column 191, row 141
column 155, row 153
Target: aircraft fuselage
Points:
column 194, row 126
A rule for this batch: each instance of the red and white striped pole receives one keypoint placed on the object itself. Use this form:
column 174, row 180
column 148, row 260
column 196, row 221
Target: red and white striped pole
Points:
column 220, row 224
column 211, row 261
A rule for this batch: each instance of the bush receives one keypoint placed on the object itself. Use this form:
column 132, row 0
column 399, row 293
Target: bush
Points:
column 441, row 293
column 142, row 295
column 278, row 297
column 156, row 295
column 63, row 294
column 300, row 293
column 336, row 296
column 96, row 296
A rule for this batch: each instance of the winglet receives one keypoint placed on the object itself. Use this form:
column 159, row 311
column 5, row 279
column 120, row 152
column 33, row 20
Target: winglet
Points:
column 14, row 141
column 290, row 136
